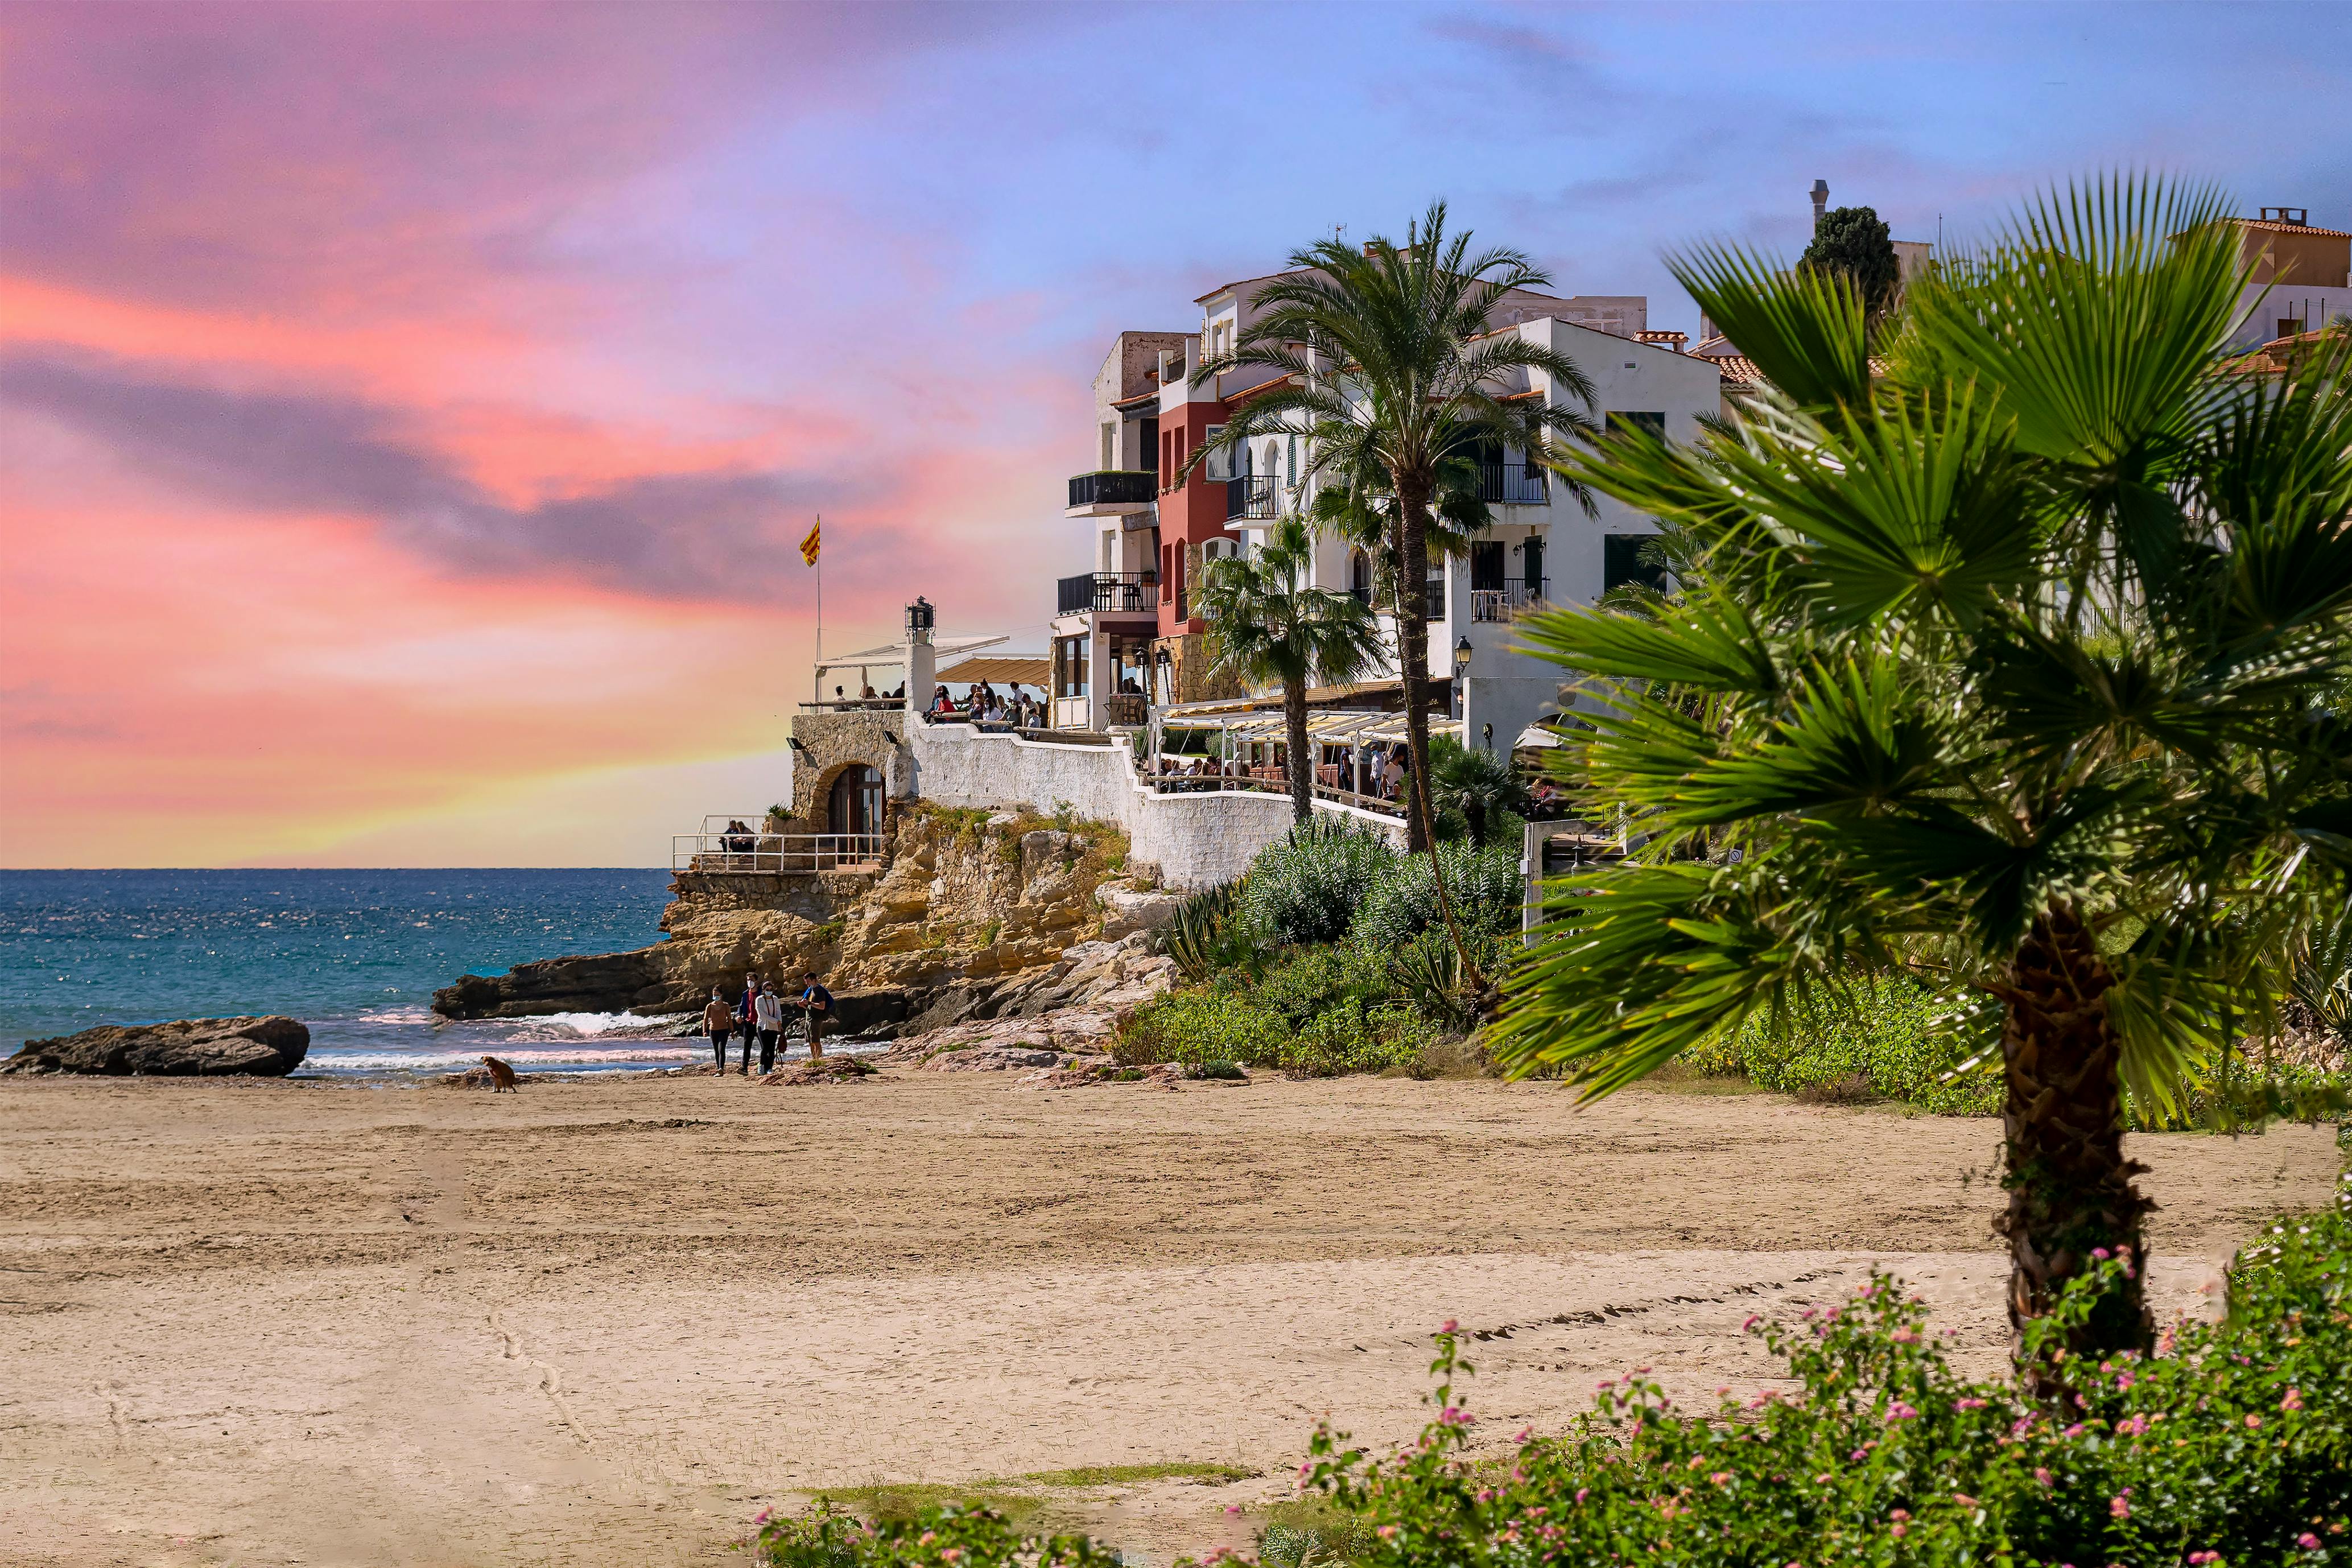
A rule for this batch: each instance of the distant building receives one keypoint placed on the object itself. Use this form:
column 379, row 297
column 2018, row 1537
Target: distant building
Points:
column 2301, row 276
column 1128, row 636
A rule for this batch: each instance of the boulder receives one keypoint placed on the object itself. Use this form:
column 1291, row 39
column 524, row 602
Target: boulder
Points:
column 823, row 1069
column 1127, row 911
column 187, row 1047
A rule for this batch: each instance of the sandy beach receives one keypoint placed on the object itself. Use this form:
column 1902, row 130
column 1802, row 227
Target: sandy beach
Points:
column 608, row 1323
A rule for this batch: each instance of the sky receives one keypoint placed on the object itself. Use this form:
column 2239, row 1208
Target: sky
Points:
column 409, row 414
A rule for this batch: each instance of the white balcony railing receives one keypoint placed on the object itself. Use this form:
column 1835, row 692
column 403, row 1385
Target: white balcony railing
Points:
column 775, row 853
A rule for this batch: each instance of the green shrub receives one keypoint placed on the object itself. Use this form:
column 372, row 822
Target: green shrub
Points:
column 1888, row 1044
column 1483, row 884
column 2231, row 1445
column 1308, row 887
column 1193, row 1027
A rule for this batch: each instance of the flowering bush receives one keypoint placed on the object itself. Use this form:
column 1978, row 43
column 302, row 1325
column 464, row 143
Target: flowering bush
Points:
column 2231, row 1445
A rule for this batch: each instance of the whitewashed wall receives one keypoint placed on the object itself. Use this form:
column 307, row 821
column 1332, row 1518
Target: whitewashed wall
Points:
column 1197, row 840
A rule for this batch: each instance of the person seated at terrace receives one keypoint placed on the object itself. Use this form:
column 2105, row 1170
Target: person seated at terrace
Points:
column 1128, row 688
column 867, row 693
column 942, row 705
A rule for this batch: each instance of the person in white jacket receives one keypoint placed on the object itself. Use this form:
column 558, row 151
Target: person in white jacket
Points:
column 769, row 1011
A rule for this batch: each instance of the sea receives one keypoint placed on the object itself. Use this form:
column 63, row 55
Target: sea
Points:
column 356, row 955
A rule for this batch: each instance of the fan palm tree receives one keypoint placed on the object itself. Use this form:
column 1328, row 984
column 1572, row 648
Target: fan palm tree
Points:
column 2008, row 672
column 1265, row 625
column 1390, row 366
column 1481, row 784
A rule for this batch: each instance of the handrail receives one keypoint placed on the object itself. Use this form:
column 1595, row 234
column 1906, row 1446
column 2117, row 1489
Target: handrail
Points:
column 775, row 853
column 1515, row 598
column 1247, row 783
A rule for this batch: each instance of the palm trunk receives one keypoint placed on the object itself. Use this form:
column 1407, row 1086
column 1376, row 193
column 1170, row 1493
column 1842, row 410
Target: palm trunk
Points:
column 2070, row 1188
column 1412, row 652
column 1412, row 666
column 1301, row 771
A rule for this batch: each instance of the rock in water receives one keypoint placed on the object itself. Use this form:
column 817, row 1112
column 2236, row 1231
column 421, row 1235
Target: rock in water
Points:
column 189, row 1047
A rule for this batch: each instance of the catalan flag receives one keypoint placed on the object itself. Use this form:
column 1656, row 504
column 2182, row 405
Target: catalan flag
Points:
column 809, row 546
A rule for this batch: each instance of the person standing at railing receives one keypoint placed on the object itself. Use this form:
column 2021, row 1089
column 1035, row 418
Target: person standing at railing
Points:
column 718, row 1022
column 771, row 1025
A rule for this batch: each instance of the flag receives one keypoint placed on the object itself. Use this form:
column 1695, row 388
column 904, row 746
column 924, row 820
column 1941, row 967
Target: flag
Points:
column 809, row 546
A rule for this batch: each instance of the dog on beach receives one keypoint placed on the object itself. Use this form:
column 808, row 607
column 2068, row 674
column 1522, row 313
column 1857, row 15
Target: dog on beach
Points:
column 502, row 1076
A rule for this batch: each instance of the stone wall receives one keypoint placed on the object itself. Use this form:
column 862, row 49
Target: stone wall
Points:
column 823, row 744
column 1197, row 840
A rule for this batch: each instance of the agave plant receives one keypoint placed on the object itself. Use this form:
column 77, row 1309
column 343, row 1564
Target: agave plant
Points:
column 2010, row 669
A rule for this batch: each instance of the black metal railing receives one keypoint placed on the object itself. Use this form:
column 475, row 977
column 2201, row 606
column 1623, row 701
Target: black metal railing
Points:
column 1513, row 484
column 1097, row 592
column 1114, row 487
column 1509, row 602
column 1252, row 497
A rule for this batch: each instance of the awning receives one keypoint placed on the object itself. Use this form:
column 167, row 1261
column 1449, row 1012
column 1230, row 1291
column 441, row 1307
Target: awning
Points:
column 1001, row 670
column 891, row 655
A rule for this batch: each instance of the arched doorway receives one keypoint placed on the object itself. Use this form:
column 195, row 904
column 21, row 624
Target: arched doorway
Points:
column 855, row 804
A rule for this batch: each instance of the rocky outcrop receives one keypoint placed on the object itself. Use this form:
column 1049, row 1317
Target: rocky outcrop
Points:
column 706, row 948
column 1064, row 1014
column 188, row 1047
column 973, row 917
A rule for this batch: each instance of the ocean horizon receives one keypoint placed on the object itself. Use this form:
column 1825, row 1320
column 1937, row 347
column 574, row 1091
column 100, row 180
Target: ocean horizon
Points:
column 356, row 955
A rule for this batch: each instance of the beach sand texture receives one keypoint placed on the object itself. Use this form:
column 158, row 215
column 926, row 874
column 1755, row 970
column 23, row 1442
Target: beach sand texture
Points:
column 607, row 1323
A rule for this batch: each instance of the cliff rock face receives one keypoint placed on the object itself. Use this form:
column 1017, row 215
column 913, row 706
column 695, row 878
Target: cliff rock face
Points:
column 968, row 909
column 187, row 1047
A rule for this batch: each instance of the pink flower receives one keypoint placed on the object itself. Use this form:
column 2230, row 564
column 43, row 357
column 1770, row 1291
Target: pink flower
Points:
column 1905, row 1337
column 2073, row 1431
column 1447, row 1327
column 2100, row 1253
column 1901, row 1412
column 926, row 1537
column 1753, row 1318
column 1964, row 1499
column 2294, row 1400
column 1720, row 1477
column 1968, row 1405
column 1897, row 1530
column 2307, row 1541
column 2042, row 1476
column 2204, row 1557
column 1523, row 1433
column 1900, row 1513
column 953, row 1554
column 2119, row 1505
column 1583, row 1492
column 2254, row 1421
column 1386, row 1532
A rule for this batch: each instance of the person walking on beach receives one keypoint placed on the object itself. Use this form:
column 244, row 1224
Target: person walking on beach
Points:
column 747, row 1021
column 772, row 1024
column 718, row 1022
column 816, row 1001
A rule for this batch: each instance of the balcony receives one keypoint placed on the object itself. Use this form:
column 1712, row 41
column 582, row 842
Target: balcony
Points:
column 1509, row 602
column 1252, row 499
column 1098, row 593
column 1513, row 484
column 1112, row 493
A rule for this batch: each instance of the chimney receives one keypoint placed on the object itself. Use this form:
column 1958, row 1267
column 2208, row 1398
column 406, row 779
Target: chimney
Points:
column 1821, row 201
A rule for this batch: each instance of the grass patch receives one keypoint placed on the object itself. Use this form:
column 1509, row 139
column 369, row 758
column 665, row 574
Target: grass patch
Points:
column 1681, row 1078
column 904, row 1502
column 1208, row 1475
column 1311, row 1530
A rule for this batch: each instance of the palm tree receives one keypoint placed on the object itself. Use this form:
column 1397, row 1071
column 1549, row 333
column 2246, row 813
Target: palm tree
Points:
column 1481, row 784
column 1390, row 366
column 1267, row 625
column 2007, row 671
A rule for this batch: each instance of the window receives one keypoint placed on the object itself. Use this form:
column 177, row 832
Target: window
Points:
column 1070, row 660
column 1290, row 465
column 854, row 804
column 1219, row 465
column 1486, row 565
column 1109, row 446
column 1622, row 419
column 1623, row 560
column 1149, row 442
